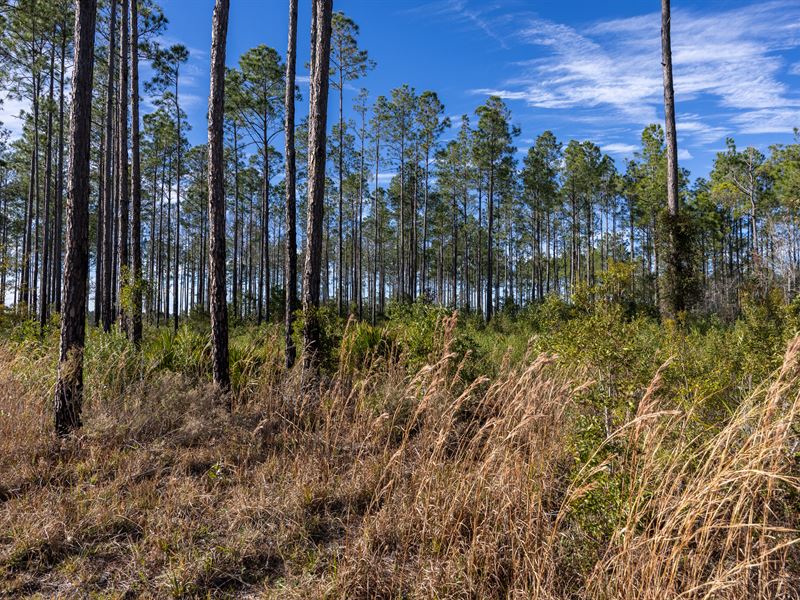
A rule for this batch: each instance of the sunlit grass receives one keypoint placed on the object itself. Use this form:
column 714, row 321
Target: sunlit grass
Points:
column 441, row 460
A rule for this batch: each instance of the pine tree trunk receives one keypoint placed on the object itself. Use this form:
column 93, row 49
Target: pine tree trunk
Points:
column 454, row 266
column 44, row 305
column 178, row 173
column 290, row 285
column 465, row 264
column 236, row 270
column 34, row 282
column 264, row 266
column 59, row 208
column 412, row 242
column 4, row 254
column 360, row 224
column 27, row 287
column 122, row 170
column 69, row 386
column 168, row 265
column 340, row 158
column 490, row 245
column 316, row 178
column 101, row 217
column 376, row 219
column 673, row 294
column 216, row 197
column 136, row 183
column 107, row 175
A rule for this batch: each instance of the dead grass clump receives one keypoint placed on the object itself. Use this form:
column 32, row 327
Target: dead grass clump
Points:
column 384, row 484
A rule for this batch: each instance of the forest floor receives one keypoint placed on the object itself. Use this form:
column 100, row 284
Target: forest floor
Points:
column 557, row 454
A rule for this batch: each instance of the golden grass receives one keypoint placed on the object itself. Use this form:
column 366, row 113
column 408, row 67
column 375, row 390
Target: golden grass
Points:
column 387, row 484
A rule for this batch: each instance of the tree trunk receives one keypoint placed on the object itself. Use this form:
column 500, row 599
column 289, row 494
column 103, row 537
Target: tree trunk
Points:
column 69, row 386
column 340, row 158
column 236, row 271
column 265, row 237
column 490, row 244
column 44, row 305
column 316, row 178
column 290, row 284
column 136, row 183
column 101, row 219
column 122, row 173
column 376, row 223
column 27, row 287
column 465, row 266
column 216, row 197
column 454, row 265
column 175, row 301
column 673, row 296
column 60, row 177
column 107, row 175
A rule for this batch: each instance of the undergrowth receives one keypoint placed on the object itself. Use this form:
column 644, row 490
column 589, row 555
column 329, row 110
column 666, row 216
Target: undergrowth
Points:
column 561, row 452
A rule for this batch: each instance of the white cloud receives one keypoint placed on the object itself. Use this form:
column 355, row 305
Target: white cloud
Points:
column 732, row 59
column 480, row 16
column 692, row 128
column 768, row 120
column 619, row 148
column 192, row 100
column 684, row 154
column 166, row 40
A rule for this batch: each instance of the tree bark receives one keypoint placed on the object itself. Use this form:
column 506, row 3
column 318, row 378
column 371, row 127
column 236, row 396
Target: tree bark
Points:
column 69, row 386
column 178, row 173
column 673, row 296
column 136, row 183
column 318, row 109
column 490, row 245
column 290, row 284
column 669, row 111
column 216, row 197
column 60, row 177
column 376, row 240
column 340, row 157
column 236, row 271
column 44, row 305
column 28, row 285
column 122, row 171
column 107, row 175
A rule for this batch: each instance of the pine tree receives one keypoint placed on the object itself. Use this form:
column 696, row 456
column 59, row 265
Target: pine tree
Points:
column 290, row 187
column 69, row 386
column 216, row 197
column 318, row 115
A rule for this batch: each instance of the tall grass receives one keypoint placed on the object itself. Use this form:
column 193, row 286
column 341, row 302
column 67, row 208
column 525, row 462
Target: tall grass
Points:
column 389, row 481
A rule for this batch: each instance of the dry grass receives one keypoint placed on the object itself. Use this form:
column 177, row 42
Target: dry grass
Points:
column 387, row 484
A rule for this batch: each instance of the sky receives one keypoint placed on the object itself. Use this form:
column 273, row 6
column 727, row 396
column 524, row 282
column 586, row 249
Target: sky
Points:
column 582, row 68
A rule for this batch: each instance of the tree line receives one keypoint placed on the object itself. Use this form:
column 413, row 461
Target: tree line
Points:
column 399, row 203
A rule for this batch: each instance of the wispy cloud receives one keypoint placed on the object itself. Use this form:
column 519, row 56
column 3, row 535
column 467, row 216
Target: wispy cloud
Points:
column 693, row 129
column 484, row 16
column 768, row 120
column 619, row 148
column 167, row 40
column 732, row 59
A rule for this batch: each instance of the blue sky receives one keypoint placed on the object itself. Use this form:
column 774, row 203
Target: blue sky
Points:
column 584, row 69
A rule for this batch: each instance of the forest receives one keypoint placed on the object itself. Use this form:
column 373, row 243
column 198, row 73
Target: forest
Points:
column 354, row 346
